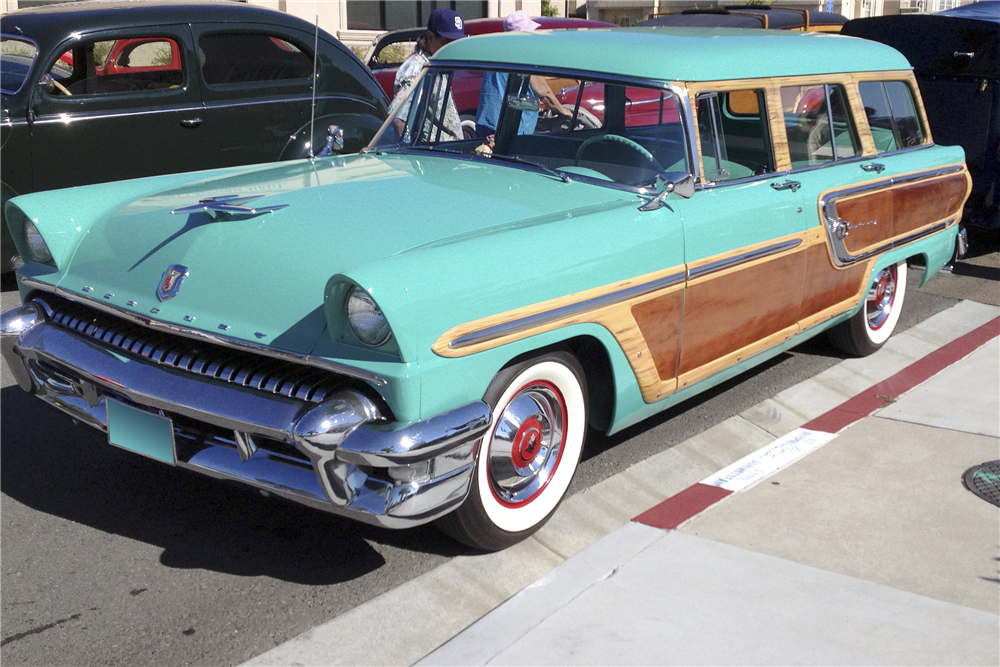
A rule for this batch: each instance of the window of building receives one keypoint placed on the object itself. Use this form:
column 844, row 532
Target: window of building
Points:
column 398, row 14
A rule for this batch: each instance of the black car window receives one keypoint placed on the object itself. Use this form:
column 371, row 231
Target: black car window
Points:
column 16, row 56
column 246, row 57
column 733, row 127
column 818, row 124
column 123, row 65
column 892, row 114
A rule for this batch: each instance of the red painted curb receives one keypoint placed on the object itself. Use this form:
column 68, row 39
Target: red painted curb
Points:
column 695, row 499
column 878, row 395
column 677, row 509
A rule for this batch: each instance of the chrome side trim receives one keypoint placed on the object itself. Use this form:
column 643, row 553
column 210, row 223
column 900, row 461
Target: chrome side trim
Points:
column 743, row 258
column 547, row 317
column 194, row 334
column 836, row 228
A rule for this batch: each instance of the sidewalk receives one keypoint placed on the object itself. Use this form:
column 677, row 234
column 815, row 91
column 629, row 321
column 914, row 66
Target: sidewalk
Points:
column 815, row 528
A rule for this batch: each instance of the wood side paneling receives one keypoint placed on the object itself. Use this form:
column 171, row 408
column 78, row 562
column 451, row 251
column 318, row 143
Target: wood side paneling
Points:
column 877, row 208
column 659, row 321
column 730, row 311
column 826, row 285
column 915, row 206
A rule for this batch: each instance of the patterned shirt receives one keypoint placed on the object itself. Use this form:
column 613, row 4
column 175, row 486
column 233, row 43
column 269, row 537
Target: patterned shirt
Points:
column 405, row 76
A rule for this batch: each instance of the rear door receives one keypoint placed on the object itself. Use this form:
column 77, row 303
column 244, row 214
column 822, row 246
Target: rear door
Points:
column 745, row 237
column 257, row 90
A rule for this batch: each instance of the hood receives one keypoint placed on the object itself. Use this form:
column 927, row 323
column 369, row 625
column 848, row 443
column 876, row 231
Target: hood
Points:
column 259, row 275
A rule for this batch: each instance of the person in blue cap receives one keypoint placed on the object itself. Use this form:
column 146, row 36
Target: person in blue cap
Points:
column 443, row 26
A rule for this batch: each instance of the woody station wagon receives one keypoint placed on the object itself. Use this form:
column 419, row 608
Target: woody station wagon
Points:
column 425, row 330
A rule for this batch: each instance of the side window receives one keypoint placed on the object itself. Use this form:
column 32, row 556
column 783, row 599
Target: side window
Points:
column 125, row 65
column 735, row 142
column 818, row 124
column 246, row 57
column 892, row 114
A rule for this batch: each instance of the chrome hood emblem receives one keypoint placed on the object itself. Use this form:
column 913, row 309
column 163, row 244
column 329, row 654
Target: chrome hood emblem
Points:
column 229, row 204
column 171, row 281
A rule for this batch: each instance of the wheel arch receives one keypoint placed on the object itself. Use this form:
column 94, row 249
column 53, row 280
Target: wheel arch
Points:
column 598, row 373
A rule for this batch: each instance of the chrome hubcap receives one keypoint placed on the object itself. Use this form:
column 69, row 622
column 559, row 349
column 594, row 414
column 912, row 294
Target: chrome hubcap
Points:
column 527, row 444
column 881, row 294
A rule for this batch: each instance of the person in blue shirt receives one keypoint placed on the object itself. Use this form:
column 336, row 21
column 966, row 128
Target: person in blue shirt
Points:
column 494, row 85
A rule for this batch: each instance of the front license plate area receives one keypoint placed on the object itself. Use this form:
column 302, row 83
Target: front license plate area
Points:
column 140, row 432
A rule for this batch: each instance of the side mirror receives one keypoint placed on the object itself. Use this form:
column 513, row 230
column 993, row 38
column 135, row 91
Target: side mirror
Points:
column 683, row 188
column 334, row 141
column 47, row 83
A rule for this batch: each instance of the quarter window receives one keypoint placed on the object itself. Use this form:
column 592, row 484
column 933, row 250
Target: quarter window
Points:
column 818, row 124
column 892, row 114
column 735, row 142
column 250, row 58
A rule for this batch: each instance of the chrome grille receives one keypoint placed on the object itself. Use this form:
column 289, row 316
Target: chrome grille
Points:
column 199, row 358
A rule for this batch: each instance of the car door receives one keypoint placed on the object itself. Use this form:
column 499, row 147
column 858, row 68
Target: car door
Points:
column 745, row 237
column 140, row 119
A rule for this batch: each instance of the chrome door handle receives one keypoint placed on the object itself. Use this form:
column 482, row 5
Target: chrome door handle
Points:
column 787, row 185
column 191, row 122
column 877, row 167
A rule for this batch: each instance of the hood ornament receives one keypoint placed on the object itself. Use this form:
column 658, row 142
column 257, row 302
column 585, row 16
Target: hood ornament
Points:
column 170, row 283
column 229, row 204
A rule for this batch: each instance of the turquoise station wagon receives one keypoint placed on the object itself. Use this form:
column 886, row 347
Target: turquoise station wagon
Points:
column 424, row 331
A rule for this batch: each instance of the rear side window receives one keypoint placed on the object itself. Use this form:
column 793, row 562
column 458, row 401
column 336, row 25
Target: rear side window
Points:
column 818, row 124
column 251, row 57
column 735, row 142
column 892, row 114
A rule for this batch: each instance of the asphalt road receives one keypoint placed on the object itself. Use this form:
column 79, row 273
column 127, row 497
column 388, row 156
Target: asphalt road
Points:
column 110, row 558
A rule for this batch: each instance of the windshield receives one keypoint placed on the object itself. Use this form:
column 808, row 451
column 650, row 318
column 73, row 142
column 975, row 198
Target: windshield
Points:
column 600, row 131
column 16, row 56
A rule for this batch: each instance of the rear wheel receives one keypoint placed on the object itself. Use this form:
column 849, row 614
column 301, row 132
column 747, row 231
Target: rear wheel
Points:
column 870, row 327
column 529, row 455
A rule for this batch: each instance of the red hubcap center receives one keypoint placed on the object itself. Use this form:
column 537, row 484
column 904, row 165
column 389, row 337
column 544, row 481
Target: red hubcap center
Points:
column 527, row 442
column 881, row 288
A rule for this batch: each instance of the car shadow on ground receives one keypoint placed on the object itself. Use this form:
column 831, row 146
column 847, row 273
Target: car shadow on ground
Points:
column 70, row 471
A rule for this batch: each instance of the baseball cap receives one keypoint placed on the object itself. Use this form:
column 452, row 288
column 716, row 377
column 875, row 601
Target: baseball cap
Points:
column 447, row 23
column 520, row 21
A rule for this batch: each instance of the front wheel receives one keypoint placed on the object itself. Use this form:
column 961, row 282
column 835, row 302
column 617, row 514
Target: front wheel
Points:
column 870, row 327
column 529, row 455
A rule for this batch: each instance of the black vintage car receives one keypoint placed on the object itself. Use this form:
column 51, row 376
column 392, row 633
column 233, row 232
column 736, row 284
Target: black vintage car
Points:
column 956, row 59
column 105, row 91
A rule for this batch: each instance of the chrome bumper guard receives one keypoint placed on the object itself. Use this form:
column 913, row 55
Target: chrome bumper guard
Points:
column 341, row 455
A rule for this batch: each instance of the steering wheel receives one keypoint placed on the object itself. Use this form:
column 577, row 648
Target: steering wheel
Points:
column 62, row 88
column 625, row 141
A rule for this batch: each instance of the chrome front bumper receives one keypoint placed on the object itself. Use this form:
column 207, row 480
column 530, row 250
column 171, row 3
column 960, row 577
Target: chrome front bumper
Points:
column 340, row 455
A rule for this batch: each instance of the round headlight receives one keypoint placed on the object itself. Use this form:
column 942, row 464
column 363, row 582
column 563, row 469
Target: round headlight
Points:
column 36, row 244
column 366, row 320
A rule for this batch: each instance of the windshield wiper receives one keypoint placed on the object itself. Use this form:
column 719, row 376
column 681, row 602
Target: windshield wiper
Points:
column 520, row 160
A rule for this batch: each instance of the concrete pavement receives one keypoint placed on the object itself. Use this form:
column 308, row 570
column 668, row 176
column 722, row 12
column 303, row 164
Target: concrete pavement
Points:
column 828, row 525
